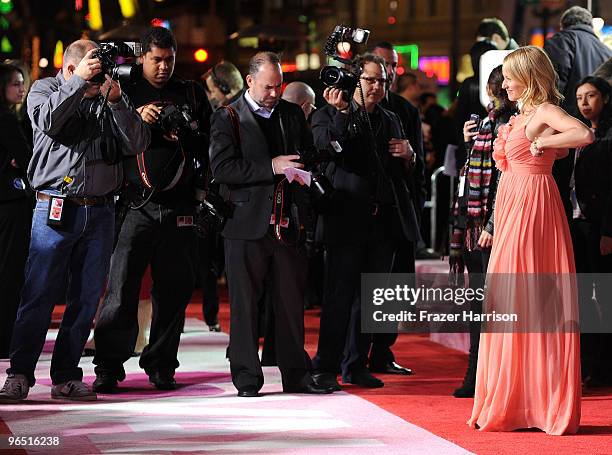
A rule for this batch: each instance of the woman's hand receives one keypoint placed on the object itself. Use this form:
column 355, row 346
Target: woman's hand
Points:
column 485, row 240
column 468, row 130
column 535, row 148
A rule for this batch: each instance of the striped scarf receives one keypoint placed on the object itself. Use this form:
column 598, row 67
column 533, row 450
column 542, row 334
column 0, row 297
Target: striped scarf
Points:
column 469, row 211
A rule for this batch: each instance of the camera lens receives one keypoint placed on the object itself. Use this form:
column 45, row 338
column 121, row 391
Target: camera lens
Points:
column 331, row 76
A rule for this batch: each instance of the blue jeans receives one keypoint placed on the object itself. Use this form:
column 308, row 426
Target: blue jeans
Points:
column 69, row 264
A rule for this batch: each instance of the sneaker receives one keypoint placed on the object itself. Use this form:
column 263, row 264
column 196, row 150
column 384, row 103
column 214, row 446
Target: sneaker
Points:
column 15, row 389
column 73, row 390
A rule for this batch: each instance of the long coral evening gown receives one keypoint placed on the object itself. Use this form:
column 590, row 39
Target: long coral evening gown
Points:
column 526, row 379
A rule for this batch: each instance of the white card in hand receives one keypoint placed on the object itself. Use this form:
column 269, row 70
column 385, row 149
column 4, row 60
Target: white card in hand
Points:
column 293, row 172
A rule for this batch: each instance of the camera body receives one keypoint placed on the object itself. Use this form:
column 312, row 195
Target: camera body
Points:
column 177, row 120
column 321, row 189
column 109, row 53
column 345, row 79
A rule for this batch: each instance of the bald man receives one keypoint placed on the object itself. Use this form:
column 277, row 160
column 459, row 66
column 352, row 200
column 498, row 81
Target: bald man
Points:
column 301, row 94
column 75, row 169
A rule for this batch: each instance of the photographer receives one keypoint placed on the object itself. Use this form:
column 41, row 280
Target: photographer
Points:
column 261, row 248
column 382, row 359
column 75, row 170
column 371, row 215
column 160, row 231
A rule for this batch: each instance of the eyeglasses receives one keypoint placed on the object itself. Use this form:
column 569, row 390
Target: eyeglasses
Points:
column 373, row 80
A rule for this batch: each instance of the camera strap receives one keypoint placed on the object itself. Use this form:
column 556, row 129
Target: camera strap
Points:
column 235, row 121
column 278, row 219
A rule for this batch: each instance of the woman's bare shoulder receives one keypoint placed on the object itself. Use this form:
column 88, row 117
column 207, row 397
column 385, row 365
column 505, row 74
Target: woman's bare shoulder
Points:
column 546, row 109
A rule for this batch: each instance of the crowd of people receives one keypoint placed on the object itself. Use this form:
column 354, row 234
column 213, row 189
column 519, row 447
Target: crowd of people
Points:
column 103, row 187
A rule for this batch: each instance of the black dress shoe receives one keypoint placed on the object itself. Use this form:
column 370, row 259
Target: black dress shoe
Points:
column 249, row 391
column 104, row 384
column 465, row 391
column 326, row 380
column 393, row 368
column 312, row 388
column 364, row 379
column 162, row 382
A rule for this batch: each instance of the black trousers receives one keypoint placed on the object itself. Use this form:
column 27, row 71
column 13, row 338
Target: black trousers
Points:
column 595, row 348
column 210, row 269
column 251, row 265
column 158, row 236
column 381, row 353
column 476, row 263
column 342, row 346
column 15, row 227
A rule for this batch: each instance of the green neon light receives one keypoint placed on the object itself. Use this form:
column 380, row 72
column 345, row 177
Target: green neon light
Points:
column 412, row 50
column 6, row 6
column 4, row 24
column 6, row 46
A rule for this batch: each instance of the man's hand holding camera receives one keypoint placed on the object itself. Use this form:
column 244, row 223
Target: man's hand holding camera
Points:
column 334, row 97
column 88, row 67
column 149, row 113
column 115, row 89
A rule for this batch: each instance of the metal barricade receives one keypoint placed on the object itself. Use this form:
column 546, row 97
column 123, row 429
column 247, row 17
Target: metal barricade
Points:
column 432, row 205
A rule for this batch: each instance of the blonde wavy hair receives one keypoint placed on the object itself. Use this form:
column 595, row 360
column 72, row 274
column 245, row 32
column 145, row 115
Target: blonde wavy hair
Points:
column 531, row 67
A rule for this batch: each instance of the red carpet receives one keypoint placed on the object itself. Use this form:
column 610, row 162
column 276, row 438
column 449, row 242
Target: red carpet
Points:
column 425, row 400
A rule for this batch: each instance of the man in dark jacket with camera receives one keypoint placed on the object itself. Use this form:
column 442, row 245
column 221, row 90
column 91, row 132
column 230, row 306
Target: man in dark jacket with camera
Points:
column 370, row 215
column 262, row 235
column 160, row 232
column 382, row 359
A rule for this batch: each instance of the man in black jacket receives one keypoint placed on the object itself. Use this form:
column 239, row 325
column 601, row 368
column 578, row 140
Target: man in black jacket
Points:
column 371, row 215
column 160, row 233
column 575, row 52
column 260, row 249
column 382, row 359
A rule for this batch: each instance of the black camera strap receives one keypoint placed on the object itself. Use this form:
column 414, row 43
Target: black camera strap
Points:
column 100, row 119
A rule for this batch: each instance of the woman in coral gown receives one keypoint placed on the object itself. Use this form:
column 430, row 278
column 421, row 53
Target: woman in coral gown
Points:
column 530, row 378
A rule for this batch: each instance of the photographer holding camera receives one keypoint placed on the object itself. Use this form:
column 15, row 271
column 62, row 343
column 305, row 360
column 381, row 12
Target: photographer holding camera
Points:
column 158, row 229
column 75, row 169
column 370, row 216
